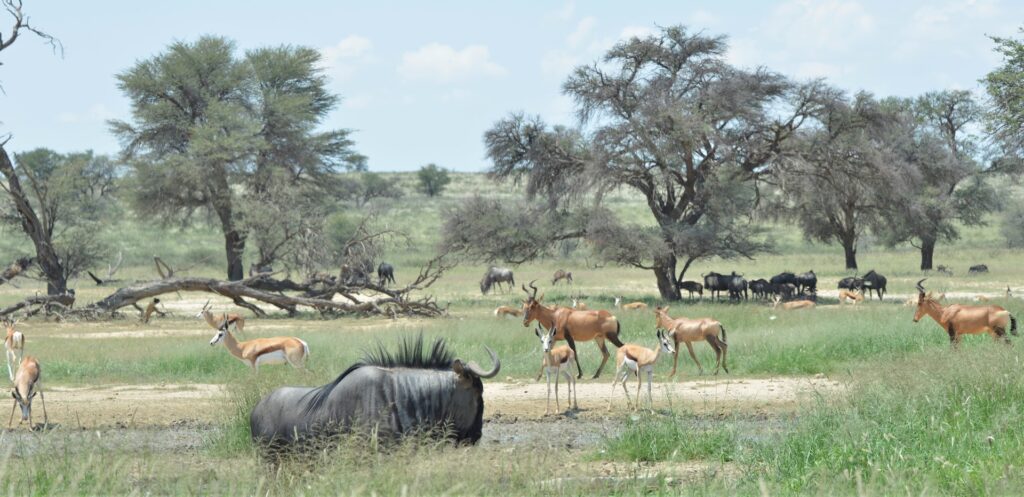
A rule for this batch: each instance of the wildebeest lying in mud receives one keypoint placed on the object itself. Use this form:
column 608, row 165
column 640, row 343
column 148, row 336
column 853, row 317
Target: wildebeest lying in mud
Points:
column 414, row 391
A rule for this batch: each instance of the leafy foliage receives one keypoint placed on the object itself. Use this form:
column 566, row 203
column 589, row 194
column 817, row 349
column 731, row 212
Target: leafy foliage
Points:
column 433, row 179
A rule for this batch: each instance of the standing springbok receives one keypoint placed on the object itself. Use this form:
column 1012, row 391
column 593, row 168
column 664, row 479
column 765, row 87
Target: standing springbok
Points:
column 276, row 350
column 632, row 306
column 794, row 304
column 691, row 330
column 853, row 295
column 632, row 358
column 556, row 363
column 15, row 346
column 573, row 325
column 215, row 322
column 26, row 386
column 960, row 320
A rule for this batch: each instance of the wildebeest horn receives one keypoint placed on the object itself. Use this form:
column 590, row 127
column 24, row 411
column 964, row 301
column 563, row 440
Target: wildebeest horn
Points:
column 474, row 368
column 920, row 288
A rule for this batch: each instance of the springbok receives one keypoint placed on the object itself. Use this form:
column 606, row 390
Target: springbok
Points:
column 632, row 306
column 26, row 386
column 556, row 363
column 507, row 311
column 632, row 358
column 853, row 295
column 794, row 304
column 215, row 322
column 578, row 304
column 573, row 325
column 15, row 346
column 277, row 350
column 683, row 330
column 960, row 320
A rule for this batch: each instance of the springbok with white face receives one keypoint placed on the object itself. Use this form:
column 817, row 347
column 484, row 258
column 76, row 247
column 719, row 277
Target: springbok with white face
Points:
column 15, row 346
column 556, row 363
column 215, row 321
column 277, row 350
column 578, row 304
column 632, row 358
column 26, row 386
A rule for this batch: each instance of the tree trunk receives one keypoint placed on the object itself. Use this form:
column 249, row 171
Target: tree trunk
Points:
column 234, row 246
column 850, row 248
column 927, row 253
column 665, row 272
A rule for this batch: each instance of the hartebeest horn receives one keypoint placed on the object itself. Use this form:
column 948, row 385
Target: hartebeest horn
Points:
column 474, row 368
column 920, row 288
column 534, row 296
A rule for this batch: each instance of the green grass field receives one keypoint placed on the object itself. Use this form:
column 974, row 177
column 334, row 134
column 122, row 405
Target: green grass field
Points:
column 911, row 417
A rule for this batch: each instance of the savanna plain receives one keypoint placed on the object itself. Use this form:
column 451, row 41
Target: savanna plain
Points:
column 838, row 400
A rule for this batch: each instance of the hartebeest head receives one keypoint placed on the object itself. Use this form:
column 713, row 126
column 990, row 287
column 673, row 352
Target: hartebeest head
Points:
column 532, row 304
column 923, row 301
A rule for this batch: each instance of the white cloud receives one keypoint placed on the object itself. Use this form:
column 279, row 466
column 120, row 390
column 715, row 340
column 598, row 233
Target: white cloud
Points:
column 95, row 113
column 443, row 64
column 563, row 14
column 582, row 31
column 953, row 20
column 342, row 59
column 558, row 63
column 702, row 19
column 635, row 31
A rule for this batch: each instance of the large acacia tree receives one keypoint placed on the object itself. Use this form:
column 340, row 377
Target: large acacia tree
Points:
column 213, row 131
column 664, row 116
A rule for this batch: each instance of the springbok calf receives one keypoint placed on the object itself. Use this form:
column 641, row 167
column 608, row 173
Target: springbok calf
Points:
column 573, row 325
column 632, row 358
column 507, row 311
column 556, row 363
column 26, row 386
column 683, row 330
column 959, row 320
column 793, row 305
column 578, row 304
column 15, row 346
column 853, row 295
column 215, row 322
column 632, row 306
column 277, row 350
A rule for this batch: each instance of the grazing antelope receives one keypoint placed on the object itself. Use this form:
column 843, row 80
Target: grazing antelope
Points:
column 277, row 350
column 215, row 322
column 683, row 330
column 573, row 325
column 632, row 306
column 853, row 295
column 26, row 386
column 960, row 320
column 632, row 358
column 556, row 363
column 507, row 311
column 15, row 346
column 560, row 275
column 794, row 304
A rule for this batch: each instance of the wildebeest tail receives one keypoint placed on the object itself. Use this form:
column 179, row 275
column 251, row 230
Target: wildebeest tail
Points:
column 615, row 338
column 722, row 327
column 1013, row 326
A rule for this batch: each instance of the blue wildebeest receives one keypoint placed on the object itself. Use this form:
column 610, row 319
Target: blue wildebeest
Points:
column 560, row 275
column 977, row 269
column 737, row 287
column 385, row 274
column 497, row 275
column 691, row 287
column 413, row 391
column 851, row 283
column 807, row 282
column 876, row 282
column 760, row 288
column 783, row 278
column 716, row 283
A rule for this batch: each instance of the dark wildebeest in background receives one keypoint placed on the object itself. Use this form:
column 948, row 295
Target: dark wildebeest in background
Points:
column 497, row 275
column 783, row 278
column 737, row 287
column 385, row 274
column 978, row 269
column 413, row 391
column 560, row 275
column 692, row 287
column 785, row 290
column 716, row 284
column 760, row 288
column 946, row 270
column 851, row 283
column 876, row 282
column 807, row 282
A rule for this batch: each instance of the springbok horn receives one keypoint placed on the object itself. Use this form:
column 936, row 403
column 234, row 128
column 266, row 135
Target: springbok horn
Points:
column 206, row 305
column 474, row 368
column 920, row 288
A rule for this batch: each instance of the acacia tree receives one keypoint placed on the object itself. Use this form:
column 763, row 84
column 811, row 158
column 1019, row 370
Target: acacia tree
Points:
column 664, row 116
column 841, row 171
column 210, row 128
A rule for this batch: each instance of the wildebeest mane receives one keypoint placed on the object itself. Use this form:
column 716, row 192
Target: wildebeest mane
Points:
column 411, row 354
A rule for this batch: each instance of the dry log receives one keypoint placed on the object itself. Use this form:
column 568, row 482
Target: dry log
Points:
column 51, row 303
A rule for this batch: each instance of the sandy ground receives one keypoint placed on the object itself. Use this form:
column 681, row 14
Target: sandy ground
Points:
column 135, row 406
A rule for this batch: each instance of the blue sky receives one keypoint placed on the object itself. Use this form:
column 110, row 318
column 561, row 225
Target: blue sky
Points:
column 422, row 81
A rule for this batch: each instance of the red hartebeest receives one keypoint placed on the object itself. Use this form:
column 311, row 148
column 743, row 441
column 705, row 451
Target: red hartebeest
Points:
column 574, row 325
column 687, row 331
column 960, row 320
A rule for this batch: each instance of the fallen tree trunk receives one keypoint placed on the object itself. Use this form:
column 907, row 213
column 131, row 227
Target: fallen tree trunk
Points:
column 51, row 303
